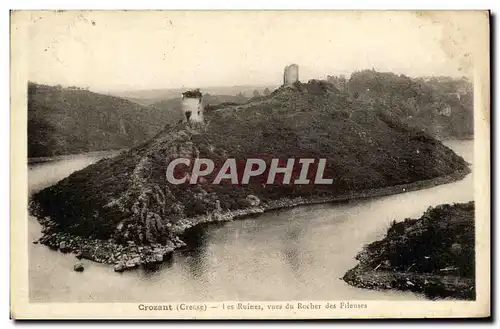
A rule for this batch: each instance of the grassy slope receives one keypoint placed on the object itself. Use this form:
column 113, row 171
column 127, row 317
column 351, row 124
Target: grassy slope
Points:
column 66, row 121
column 127, row 197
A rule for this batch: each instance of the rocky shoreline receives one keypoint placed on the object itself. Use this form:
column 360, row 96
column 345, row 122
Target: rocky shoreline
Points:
column 431, row 285
column 433, row 255
column 125, row 257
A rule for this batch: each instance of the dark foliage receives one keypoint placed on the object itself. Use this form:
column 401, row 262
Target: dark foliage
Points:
column 196, row 93
column 419, row 101
column 442, row 239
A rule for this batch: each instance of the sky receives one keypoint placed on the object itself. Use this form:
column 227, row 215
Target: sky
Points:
column 124, row 50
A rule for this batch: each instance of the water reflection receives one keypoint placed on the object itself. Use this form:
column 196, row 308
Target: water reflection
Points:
column 195, row 255
column 292, row 249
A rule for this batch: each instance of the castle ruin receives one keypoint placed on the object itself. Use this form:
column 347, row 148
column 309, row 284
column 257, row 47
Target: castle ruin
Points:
column 192, row 105
column 291, row 75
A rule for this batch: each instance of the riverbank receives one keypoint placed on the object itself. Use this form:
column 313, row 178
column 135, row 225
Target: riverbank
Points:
column 129, row 256
column 433, row 255
column 106, row 153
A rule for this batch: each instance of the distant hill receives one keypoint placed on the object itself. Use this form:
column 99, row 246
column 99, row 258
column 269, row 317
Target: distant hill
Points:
column 72, row 120
column 441, row 106
column 152, row 96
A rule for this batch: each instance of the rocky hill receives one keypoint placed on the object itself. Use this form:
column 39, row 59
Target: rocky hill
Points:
column 127, row 200
column 71, row 120
column 433, row 255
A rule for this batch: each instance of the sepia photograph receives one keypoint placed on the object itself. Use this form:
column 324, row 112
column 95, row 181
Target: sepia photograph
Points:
column 250, row 164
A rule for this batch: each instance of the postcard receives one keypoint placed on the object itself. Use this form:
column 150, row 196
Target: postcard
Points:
column 250, row 164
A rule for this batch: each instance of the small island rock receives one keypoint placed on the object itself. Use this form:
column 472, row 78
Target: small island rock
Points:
column 78, row 267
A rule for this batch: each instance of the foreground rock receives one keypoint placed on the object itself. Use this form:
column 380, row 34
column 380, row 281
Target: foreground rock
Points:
column 78, row 267
column 433, row 255
column 123, row 211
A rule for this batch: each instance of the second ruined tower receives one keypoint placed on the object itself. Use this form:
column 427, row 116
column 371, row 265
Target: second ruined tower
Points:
column 291, row 74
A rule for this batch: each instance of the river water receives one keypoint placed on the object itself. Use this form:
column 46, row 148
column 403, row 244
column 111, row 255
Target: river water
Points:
column 293, row 254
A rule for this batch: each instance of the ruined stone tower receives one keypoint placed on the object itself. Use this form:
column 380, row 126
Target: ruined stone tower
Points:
column 192, row 105
column 291, row 75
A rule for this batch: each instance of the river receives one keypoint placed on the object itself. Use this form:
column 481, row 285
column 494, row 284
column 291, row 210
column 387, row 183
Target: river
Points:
column 292, row 254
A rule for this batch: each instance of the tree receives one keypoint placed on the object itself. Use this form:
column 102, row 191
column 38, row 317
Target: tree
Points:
column 240, row 97
column 266, row 92
column 256, row 93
